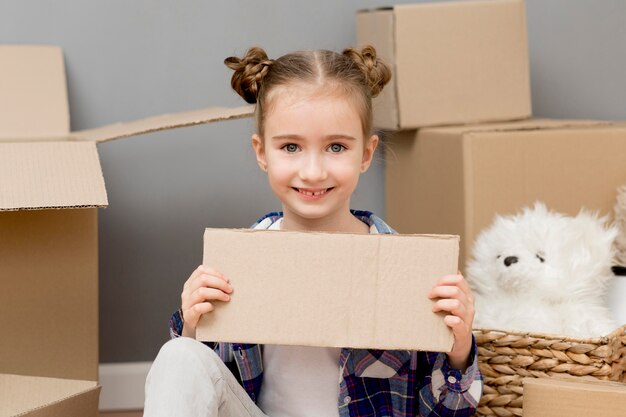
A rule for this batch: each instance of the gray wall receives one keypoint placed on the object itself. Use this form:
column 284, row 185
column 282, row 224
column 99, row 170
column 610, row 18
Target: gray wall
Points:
column 131, row 59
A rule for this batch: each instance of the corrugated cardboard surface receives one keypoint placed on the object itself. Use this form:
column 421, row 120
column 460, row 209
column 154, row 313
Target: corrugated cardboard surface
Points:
column 453, row 62
column 33, row 92
column 49, row 296
column 336, row 290
column 163, row 122
column 47, row 397
column 546, row 397
column 460, row 178
column 50, row 175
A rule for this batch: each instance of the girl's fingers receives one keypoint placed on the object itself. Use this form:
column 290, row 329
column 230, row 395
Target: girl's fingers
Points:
column 453, row 321
column 450, row 305
column 208, row 281
column 447, row 291
column 203, row 294
column 192, row 315
column 203, row 270
column 457, row 281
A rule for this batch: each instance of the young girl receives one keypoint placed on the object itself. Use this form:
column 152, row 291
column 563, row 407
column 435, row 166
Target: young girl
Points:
column 314, row 124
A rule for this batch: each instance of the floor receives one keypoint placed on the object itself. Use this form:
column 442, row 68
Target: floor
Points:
column 122, row 414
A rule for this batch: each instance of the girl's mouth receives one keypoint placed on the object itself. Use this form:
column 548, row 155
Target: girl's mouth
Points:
column 312, row 193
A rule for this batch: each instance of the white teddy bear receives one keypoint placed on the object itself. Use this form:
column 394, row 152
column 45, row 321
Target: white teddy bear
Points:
column 541, row 271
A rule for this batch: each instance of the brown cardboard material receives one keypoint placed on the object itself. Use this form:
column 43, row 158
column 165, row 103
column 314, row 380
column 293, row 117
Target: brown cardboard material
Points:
column 51, row 185
column 452, row 62
column 47, row 397
column 548, row 397
column 456, row 179
column 329, row 289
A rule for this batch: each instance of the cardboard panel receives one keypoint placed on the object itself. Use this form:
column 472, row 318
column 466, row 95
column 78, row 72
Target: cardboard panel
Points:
column 453, row 62
column 547, row 397
column 49, row 297
column 33, row 92
column 163, row 122
column 336, row 290
column 460, row 178
column 47, row 397
column 50, row 175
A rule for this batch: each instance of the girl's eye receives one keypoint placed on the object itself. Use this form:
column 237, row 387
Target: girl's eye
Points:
column 541, row 257
column 336, row 147
column 290, row 147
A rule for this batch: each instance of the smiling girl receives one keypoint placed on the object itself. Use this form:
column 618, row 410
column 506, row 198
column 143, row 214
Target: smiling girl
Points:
column 313, row 139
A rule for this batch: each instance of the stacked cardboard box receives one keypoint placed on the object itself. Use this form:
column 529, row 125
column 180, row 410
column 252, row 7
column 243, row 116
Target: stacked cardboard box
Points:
column 51, row 186
column 452, row 62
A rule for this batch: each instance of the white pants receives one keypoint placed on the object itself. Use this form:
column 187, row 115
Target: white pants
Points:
column 188, row 379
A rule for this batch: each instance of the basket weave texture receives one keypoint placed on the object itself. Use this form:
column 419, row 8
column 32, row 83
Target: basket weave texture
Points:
column 505, row 358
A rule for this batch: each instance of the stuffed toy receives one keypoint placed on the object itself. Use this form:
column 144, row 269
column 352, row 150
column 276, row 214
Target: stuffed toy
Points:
column 541, row 271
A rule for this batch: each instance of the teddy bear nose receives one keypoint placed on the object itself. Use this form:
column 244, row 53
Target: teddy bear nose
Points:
column 510, row 260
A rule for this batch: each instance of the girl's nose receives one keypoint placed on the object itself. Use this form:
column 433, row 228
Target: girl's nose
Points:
column 313, row 169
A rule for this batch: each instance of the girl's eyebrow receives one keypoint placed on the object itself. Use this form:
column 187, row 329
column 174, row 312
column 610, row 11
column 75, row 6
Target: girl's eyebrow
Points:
column 288, row 137
column 298, row 137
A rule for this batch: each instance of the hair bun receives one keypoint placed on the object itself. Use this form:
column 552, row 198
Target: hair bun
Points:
column 376, row 72
column 249, row 73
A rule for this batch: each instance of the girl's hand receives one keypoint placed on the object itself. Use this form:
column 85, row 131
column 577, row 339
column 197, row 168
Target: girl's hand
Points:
column 455, row 297
column 204, row 285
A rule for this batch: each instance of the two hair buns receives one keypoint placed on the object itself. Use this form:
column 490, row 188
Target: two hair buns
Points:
column 250, row 70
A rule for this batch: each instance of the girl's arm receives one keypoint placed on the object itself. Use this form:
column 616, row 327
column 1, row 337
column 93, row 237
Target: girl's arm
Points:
column 451, row 384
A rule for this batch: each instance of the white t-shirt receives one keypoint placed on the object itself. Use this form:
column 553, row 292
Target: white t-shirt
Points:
column 299, row 381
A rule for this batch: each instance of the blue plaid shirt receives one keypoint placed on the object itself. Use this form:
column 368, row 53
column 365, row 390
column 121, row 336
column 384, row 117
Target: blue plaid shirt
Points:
column 424, row 384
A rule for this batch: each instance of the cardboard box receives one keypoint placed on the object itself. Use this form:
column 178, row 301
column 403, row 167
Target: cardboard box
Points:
column 47, row 397
column 452, row 62
column 455, row 180
column 51, row 185
column 329, row 289
column 548, row 397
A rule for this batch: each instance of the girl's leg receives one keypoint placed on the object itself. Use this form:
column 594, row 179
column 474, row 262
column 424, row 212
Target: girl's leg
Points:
column 188, row 379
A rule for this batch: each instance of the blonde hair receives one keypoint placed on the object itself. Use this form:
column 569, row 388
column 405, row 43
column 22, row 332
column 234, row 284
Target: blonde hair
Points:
column 360, row 75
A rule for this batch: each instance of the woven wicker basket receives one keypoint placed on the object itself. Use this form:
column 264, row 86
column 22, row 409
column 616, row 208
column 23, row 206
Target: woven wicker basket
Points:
column 505, row 358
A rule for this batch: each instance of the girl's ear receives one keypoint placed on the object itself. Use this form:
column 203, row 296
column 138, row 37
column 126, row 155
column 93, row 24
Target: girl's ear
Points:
column 368, row 152
column 259, row 150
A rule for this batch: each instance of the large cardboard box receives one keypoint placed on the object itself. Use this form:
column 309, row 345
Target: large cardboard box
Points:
column 29, row 396
column 452, row 62
column 456, row 179
column 329, row 289
column 548, row 397
column 51, row 185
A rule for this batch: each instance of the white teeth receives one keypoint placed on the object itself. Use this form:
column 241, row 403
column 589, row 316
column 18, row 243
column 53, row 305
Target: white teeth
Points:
column 312, row 193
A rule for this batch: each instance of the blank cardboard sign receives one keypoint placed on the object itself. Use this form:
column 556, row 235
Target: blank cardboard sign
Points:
column 329, row 289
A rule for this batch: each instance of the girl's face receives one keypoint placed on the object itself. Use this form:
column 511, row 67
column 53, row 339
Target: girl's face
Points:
column 313, row 151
